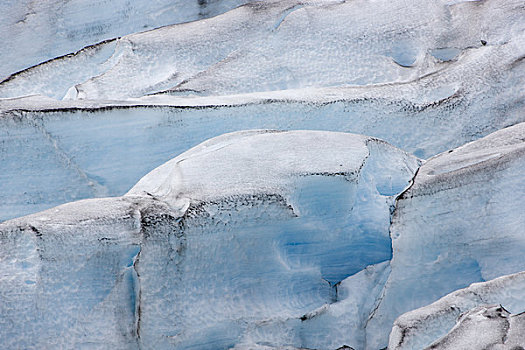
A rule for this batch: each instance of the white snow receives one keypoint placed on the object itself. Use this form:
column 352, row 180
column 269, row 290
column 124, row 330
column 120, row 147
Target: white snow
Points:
column 253, row 162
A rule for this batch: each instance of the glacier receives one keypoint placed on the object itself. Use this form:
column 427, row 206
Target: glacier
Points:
column 172, row 262
column 277, row 174
column 52, row 155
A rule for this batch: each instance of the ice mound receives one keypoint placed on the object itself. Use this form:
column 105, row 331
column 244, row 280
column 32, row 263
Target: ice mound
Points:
column 246, row 233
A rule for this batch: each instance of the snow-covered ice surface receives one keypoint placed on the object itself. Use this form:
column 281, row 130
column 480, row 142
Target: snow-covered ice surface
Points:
column 244, row 234
column 472, row 318
column 485, row 327
column 277, row 45
column 460, row 222
column 37, row 31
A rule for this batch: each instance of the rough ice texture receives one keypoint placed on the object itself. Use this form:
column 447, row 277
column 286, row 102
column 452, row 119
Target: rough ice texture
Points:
column 242, row 240
column 37, row 31
column 273, row 65
column 465, row 319
column 311, row 44
column 172, row 264
column 485, row 327
column 277, row 45
column 460, row 222
column 49, row 158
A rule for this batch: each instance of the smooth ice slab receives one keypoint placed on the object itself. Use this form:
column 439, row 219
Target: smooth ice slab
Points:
column 460, row 222
column 331, row 326
column 244, row 231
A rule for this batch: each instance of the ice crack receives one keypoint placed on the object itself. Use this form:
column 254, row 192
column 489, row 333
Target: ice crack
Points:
column 97, row 188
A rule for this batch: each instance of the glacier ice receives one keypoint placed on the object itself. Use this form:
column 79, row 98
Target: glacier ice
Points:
column 460, row 222
column 83, row 150
column 456, row 90
column 467, row 319
column 37, row 31
column 262, row 239
column 172, row 263
column 278, row 45
column 485, row 327
column 331, row 326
